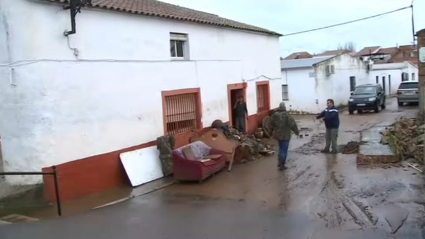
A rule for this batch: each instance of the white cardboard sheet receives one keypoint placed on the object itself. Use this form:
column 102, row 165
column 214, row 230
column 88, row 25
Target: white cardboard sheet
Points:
column 142, row 165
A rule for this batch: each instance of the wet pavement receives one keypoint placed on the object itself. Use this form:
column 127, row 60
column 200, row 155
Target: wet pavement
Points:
column 319, row 196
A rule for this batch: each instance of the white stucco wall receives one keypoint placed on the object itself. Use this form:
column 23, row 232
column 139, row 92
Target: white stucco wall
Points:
column 302, row 90
column 337, row 86
column 393, row 70
column 309, row 95
column 58, row 108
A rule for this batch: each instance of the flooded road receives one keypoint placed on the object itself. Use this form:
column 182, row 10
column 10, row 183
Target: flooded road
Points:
column 319, row 197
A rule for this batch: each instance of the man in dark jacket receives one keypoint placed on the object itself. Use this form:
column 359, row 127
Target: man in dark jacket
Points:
column 281, row 125
column 241, row 114
column 331, row 117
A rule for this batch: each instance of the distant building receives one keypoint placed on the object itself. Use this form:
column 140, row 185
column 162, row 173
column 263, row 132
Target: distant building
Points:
column 390, row 75
column 389, row 55
column 308, row 83
column 390, row 66
column 405, row 53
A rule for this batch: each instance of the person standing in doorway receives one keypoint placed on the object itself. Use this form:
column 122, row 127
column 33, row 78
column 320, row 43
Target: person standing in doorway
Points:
column 331, row 117
column 281, row 125
column 241, row 114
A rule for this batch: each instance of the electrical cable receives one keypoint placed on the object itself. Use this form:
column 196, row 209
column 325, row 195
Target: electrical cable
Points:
column 344, row 23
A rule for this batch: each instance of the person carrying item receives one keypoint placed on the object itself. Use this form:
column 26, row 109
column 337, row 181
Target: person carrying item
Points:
column 331, row 117
column 241, row 114
column 281, row 125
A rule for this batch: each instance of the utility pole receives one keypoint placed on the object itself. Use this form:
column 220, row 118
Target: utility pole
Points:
column 421, row 66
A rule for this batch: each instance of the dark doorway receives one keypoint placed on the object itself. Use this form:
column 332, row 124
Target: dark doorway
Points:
column 234, row 94
column 384, row 85
column 377, row 79
column 352, row 83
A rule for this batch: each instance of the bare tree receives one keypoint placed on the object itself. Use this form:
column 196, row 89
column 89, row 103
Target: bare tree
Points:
column 350, row 46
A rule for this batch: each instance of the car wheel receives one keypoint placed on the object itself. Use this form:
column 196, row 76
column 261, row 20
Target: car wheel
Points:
column 360, row 111
column 383, row 106
column 400, row 103
column 351, row 112
column 377, row 108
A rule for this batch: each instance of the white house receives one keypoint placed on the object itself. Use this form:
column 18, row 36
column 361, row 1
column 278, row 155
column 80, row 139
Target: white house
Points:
column 390, row 75
column 309, row 82
column 131, row 73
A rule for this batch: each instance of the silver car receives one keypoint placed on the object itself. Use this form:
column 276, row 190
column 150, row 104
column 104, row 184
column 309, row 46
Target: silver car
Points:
column 408, row 92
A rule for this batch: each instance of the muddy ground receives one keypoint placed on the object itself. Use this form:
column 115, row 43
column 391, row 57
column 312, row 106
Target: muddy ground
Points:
column 319, row 196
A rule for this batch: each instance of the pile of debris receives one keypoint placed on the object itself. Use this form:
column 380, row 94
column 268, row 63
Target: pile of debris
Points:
column 406, row 138
column 351, row 148
column 250, row 147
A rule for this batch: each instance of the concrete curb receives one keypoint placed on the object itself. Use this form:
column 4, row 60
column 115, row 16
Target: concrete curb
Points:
column 135, row 195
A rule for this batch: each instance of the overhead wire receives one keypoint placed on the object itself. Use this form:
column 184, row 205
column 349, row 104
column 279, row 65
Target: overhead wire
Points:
column 352, row 21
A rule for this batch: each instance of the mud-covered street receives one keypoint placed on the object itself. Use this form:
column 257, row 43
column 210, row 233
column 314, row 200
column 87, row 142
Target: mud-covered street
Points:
column 319, row 197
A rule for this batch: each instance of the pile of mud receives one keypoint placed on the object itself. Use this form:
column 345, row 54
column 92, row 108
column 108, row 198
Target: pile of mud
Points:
column 351, row 148
column 406, row 138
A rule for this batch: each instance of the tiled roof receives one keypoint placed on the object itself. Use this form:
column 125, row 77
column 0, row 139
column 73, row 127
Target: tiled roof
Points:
column 367, row 50
column 165, row 10
column 298, row 55
column 333, row 53
column 302, row 63
column 389, row 50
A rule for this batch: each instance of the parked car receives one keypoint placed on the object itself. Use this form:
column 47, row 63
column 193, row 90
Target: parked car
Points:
column 367, row 97
column 408, row 92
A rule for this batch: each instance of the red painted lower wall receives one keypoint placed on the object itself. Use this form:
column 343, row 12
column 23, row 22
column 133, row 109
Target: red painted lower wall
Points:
column 80, row 178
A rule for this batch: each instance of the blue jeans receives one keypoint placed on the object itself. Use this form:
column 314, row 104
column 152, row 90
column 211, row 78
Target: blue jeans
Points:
column 283, row 151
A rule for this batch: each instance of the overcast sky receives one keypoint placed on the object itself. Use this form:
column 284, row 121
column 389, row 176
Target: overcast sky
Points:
column 287, row 16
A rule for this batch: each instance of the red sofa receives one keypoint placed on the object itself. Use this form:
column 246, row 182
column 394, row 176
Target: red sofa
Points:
column 195, row 170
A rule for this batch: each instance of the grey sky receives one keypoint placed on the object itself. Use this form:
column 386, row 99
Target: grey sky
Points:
column 287, row 16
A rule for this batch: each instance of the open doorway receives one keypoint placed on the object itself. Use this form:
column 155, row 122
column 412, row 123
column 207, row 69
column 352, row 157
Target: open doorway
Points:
column 384, row 85
column 233, row 92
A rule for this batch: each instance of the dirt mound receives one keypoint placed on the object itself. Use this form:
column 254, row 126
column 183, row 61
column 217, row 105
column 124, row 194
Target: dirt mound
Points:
column 351, row 148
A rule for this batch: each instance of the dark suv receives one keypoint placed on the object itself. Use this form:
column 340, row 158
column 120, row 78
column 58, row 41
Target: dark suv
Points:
column 367, row 97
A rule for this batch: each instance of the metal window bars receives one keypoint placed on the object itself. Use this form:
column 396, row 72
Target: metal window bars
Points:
column 181, row 113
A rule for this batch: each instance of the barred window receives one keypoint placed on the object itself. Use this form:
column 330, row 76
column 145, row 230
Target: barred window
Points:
column 181, row 113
